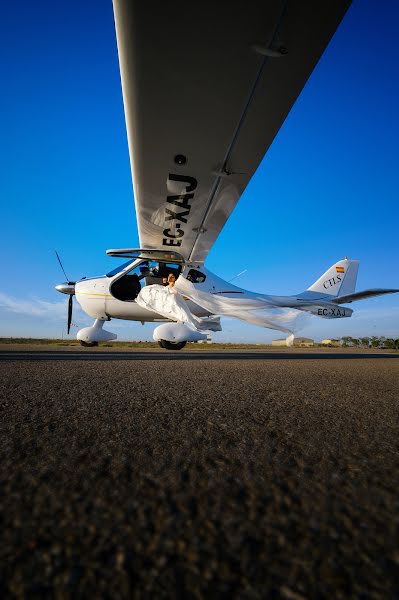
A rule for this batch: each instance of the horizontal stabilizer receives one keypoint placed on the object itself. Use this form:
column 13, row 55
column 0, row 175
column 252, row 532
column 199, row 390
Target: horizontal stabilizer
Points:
column 361, row 295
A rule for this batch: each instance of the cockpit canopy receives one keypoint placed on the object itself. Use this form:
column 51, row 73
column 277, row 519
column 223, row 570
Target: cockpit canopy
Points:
column 129, row 277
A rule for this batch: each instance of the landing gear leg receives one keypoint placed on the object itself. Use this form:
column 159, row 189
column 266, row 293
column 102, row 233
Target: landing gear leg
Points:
column 90, row 336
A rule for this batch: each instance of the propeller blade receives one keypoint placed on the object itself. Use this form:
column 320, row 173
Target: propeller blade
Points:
column 63, row 270
column 70, row 301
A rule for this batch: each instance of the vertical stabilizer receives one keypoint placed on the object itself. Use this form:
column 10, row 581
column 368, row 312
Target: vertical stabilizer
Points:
column 338, row 280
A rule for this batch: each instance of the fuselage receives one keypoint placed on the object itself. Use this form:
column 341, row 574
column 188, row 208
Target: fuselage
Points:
column 96, row 297
column 97, row 300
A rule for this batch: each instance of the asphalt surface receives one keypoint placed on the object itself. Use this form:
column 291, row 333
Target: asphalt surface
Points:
column 247, row 475
column 102, row 354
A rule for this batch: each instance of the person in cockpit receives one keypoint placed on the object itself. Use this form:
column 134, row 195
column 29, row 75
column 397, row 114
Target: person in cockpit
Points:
column 168, row 302
column 171, row 283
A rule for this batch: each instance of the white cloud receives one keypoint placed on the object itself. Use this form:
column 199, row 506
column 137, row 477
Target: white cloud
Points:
column 35, row 307
column 378, row 312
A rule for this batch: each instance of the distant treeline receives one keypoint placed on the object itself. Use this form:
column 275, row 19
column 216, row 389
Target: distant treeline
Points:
column 370, row 342
column 344, row 342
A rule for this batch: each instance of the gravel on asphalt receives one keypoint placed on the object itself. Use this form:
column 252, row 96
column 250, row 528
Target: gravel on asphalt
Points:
column 201, row 478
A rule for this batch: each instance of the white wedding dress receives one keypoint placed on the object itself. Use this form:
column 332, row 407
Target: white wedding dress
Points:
column 169, row 302
column 166, row 301
column 256, row 310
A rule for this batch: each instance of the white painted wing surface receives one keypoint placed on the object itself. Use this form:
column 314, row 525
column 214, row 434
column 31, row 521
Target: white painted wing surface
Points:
column 206, row 87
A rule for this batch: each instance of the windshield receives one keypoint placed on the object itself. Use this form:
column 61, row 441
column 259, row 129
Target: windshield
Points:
column 152, row 271
column 120, row 268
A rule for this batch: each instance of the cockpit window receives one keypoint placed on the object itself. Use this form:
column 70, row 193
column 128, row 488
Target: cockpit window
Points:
column 165, row 269
column 196, row 276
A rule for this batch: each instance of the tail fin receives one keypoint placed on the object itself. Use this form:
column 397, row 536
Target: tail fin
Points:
column 340, row 279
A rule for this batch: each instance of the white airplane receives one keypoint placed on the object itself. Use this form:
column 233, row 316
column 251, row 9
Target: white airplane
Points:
column 206, row 88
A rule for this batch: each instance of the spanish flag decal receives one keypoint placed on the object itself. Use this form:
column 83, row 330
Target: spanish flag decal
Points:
column 340, row 269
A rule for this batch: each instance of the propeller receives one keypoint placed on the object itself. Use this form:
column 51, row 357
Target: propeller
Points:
column 63, row 270
column 66, row 288
column 70, row 302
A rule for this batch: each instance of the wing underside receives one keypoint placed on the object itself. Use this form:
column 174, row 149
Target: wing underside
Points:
column 206, row 88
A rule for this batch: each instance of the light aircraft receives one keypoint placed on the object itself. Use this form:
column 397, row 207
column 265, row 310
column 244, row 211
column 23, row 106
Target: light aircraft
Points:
column 206, row 87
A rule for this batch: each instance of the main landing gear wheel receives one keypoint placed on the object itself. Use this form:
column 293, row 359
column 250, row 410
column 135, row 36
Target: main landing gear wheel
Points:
column 88, row 344
column 171, row 345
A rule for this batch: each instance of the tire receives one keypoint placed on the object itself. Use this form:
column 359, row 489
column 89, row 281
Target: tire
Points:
column 88, row 344
column 171, row 345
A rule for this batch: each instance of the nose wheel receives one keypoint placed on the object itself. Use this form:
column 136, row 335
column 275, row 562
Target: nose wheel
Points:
column 88, row 344
column 171, row 345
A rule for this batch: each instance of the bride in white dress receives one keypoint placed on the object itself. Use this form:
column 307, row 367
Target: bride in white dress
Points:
column 167, row 302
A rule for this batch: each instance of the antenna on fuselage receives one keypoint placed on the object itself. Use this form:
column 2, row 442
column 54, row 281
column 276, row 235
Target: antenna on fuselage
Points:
column 238, row 275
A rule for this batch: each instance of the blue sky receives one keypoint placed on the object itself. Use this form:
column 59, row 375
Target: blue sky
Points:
column 327, row 188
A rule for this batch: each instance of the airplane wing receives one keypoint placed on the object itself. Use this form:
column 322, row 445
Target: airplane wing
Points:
column 206, row 87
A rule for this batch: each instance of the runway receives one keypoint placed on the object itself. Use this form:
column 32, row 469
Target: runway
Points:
column 154, row 474
column 101, row 354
